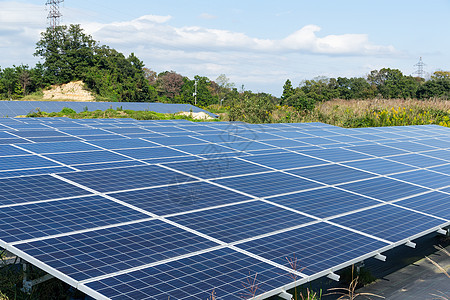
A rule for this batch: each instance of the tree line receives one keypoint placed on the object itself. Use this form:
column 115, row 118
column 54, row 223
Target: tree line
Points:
column 69, row 54
column 385, row 83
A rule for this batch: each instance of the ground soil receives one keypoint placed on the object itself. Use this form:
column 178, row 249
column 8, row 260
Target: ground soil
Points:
column 73, row 91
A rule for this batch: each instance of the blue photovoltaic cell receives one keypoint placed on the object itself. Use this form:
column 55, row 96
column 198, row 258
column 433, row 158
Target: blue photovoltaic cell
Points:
column 331, row 174
column 441, row 154
column 91, row 157
column 434, row 203
column 316, row 247
column 204, row 149
column 5, row 135
column 377, row 150
column 324, row 203
column 410, row 146
column 345, row 139
column 104, row 251
column 293, row 134
column 445, row 169
column 180, row 198
column 418, row 160
column 438, row 143
column 336, row 155
column 285, row 160
column 86, row 131
column 215, row 168
column 122, row 144
column 103, row 137
column 424, row 178
column 222, row 138
column 126, row 178
column 108, row 165
column 13, row 141
column 54, row 139
column 148, row 153
column 40, row 171
column 389, row 222
column 39, row 133
column 176, row 140
column 57, row 147
column 35, row 188
column 8, row 150
column 317, row 141
column 142, row 135
column 25, row 162
column 165, row 160
column 380, row 166
column 169, row 129
column 370, row 136
column 127, row 130
column 223, row 271
column 257, row 136
column 267, row 184
column 383, row 188
column 285, row 143
column 55, row 217
column 241, row 221
column 247, row 146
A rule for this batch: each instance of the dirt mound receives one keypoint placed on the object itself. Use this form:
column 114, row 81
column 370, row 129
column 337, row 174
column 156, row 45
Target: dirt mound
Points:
column 69, row 91
column 197, row 116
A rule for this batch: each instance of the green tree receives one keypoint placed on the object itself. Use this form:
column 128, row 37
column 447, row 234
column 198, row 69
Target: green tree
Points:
column 68, row 53
column 288, row 90
column 391, row 83
column 252, row 108
column 9, row 81
column 204, row 96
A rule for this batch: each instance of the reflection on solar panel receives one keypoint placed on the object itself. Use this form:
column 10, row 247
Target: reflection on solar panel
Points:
column 127, row 209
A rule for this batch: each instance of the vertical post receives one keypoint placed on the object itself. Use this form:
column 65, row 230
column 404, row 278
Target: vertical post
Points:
column 195, row 93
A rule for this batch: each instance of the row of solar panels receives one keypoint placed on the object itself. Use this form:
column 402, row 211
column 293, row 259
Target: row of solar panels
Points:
column 126, row 209
column 18, row 108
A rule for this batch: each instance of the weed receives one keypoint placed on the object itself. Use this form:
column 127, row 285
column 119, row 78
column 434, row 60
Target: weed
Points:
column 251, row 287
column 349, row 292
column 440, row 268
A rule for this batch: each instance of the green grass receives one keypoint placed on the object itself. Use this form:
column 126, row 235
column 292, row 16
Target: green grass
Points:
column 111, row 113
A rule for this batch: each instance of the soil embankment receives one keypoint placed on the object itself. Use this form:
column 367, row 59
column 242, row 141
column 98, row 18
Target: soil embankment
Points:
column 72, row 91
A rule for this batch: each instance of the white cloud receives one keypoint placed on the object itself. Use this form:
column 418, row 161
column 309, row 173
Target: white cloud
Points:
column 154, row 31
column 192, row 50
column 20, row 27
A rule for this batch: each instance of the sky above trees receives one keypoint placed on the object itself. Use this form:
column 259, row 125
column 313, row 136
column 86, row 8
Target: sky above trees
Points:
column 258, row 44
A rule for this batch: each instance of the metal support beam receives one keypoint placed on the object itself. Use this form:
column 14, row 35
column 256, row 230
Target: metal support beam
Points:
column 380, row 257
column 410, row 244
column 285, row 295
column 334, row 276
column 28, row 284
column 358, row 266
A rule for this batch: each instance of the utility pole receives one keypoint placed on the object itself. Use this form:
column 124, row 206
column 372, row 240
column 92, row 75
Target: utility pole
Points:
column 420, row 72
column 54, row 15
column 195, row 93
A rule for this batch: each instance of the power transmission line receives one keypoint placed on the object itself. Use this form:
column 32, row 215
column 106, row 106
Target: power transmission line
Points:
column 54, row 15
column 420, row 72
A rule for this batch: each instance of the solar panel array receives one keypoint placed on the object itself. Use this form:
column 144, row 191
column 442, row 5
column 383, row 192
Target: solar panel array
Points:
column 126, row 209
column 18, row 108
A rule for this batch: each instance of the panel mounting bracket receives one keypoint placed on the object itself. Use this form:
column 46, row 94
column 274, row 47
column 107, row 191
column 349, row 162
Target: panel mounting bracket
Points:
column 442, row 231
column 410, row 244
column 285, row 295
column 380, row 257
column 334, row 276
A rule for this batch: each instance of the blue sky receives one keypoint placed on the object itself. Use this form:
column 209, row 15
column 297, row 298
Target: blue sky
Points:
column 258, row 44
